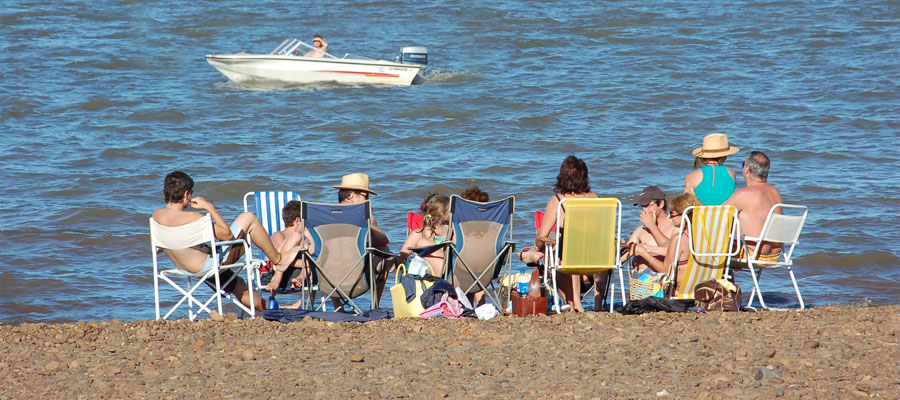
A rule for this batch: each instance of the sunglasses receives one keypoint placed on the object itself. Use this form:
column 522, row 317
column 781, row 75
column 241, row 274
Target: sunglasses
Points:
column 363, row 194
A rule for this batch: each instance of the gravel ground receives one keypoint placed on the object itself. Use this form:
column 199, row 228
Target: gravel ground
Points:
column 827, row 352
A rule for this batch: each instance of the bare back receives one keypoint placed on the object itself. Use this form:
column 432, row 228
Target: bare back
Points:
column 753, row 204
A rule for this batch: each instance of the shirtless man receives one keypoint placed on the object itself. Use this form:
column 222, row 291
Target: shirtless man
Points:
column 354, row 189
column 291, row 237
column 178, row 189
column 754, row 201
column 320, row 48
column 655, row 230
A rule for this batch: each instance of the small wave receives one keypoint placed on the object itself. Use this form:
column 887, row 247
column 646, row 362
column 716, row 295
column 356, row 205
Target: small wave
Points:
column 94, row 105
column 159, row 115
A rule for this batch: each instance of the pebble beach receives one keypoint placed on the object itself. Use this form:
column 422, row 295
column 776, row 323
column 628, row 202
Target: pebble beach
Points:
column 835, row 352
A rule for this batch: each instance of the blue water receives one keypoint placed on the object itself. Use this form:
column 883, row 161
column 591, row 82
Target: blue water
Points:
column 101, row 99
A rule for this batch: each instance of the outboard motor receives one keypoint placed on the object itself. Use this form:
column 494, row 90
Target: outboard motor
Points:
column 414, row 55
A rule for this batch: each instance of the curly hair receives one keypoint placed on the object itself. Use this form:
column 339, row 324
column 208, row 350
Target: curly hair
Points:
column 573, row 176
column 476, row 194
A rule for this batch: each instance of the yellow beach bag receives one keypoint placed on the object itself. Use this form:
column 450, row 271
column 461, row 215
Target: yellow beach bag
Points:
column 402, row 308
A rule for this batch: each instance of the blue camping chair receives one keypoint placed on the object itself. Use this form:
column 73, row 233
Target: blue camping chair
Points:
column 341, row 259
column 482, row 244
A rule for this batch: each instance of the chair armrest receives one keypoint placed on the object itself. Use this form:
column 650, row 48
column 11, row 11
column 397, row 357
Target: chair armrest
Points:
column 383, row 254
column 511, row 244
column 425, row 250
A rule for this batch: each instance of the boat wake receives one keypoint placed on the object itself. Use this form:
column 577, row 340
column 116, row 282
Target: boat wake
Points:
column 436, row 75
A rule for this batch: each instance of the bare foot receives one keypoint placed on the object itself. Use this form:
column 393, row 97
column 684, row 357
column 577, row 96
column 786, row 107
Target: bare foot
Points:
column 293, row 306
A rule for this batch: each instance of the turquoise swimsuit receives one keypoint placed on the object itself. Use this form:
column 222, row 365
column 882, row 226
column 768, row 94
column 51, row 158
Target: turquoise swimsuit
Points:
column 716, row 187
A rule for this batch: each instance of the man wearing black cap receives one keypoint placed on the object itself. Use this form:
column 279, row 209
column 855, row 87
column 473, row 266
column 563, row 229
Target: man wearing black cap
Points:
column 656, row 226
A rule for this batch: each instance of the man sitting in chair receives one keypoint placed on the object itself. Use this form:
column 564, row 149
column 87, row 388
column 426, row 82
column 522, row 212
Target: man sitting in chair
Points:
column 354, row 189
column 292, row 237
column 754, row 202
column 655, row 230
column 178, row 189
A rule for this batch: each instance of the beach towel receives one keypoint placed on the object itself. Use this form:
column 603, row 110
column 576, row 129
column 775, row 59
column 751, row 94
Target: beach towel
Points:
column 283, row 315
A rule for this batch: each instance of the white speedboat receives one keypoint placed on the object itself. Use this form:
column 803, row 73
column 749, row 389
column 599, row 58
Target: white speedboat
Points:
column 286, row 65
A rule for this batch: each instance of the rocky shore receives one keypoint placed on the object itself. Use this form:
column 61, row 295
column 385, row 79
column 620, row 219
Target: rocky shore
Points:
column 827, row 352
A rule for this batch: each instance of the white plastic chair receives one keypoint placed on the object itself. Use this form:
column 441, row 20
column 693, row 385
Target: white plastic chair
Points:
column 189, row 235
column 778, row 228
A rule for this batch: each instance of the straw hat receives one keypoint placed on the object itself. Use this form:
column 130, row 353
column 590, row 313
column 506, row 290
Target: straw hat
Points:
column 356, row 181
column 715, row 145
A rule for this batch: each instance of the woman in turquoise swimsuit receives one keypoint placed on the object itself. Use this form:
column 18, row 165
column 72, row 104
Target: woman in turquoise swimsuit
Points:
column 712, row 182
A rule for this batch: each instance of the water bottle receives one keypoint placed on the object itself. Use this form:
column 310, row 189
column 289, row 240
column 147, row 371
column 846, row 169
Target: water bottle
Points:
column 273, row 305
column 522, row 282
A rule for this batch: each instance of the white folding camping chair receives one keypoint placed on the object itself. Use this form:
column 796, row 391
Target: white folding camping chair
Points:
column 778, row 228
column 182, row 237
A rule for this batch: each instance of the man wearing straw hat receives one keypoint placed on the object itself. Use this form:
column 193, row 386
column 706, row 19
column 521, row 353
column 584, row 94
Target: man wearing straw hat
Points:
column 712, row 182
column 354, row 189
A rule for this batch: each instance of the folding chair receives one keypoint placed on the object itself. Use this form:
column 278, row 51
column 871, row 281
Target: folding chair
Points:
column 482, row 244
column 189, row 235
column 592, row 229
column 268, row 210
column 778, row 228
column 713, row 232
column 269, row 207
column 342, row 258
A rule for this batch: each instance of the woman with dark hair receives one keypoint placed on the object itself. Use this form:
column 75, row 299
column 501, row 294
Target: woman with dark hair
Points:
column 572, row 182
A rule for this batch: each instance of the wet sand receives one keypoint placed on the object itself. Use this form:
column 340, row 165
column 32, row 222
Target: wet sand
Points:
column 828, row 352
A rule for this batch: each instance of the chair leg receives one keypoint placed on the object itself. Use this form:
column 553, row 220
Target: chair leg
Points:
column 622, row 285
column 191, row 315
column 796, row 288
column 756, row 288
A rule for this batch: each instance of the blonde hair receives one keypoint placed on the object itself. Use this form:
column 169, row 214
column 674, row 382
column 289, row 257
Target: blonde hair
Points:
column 682, row 202
column 434, row 208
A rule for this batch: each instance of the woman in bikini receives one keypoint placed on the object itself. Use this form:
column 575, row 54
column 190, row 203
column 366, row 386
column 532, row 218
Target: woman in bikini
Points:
column 435, row 211
column 572, row 182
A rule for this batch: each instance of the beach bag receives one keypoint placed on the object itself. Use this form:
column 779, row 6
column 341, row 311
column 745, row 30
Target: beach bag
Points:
column 718, row 295
column 411, row 308
column 647, row 283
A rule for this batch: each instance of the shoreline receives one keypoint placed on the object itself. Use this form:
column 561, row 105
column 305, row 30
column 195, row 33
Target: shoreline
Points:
column 834, row 351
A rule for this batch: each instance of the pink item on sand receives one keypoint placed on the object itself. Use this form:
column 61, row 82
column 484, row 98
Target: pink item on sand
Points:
column 448, row 307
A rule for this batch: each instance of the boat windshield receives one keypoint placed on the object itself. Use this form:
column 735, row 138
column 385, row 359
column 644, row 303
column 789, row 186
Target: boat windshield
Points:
column 295, row 47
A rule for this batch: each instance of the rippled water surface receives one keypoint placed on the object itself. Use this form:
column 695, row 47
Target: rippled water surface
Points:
column 101, row 99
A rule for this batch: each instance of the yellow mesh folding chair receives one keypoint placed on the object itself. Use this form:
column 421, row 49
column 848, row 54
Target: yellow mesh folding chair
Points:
column 713, row 241
column 590, row 234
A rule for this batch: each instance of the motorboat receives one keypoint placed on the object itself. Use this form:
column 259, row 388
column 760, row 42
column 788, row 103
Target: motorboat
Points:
column 287, row 64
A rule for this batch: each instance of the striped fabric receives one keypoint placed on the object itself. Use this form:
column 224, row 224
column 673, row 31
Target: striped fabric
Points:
column 268, row 210
column 712, row 231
